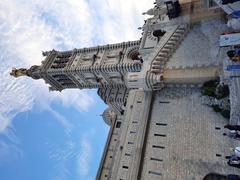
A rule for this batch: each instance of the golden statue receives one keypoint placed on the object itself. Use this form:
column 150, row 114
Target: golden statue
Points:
column 18, row 72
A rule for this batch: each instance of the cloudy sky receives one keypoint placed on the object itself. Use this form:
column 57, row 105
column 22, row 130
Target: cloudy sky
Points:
column 51, row 135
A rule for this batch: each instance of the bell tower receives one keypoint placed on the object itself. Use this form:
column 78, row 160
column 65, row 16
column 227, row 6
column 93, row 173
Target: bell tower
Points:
column 159, row 128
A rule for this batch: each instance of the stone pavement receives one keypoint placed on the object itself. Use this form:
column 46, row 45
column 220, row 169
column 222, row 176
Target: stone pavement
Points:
column 200, row 46
column 185, row 138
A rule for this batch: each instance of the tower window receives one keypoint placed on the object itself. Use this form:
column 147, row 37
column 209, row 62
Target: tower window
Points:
column 161, row 124
column 118, row 125
column 160, row 147
column 156, row 159
column 155, row 173
column 158, row 33
column 135, row 55
column 161, row 135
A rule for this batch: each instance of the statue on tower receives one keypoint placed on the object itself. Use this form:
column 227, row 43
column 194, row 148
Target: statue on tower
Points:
column 33, row 72
column 19, row 72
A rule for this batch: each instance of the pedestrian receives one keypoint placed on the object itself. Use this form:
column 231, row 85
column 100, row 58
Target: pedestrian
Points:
column 232, row 127
column 232, row 177
column 233, row 161
column 234, row 55
column 232, row 134
column 237, row 151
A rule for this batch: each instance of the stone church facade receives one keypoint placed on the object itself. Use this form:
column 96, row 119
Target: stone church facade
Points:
column 159, row 128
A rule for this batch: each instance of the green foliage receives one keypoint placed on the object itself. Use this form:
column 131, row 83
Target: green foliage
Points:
column 216, row 108
column 214, row 89
column 222, row 91
column 226, row 113
column 209, row 88
column 208, row 91
column 211, row 83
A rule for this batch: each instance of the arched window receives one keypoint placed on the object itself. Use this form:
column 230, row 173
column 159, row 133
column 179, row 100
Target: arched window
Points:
column 134, row 55
column 158, row 33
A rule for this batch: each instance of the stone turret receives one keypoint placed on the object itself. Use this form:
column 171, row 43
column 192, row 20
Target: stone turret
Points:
column 109, row 116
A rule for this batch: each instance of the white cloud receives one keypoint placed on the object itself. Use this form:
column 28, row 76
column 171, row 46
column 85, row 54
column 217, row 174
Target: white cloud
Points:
column 75, row 98
column 9, row 152
column 83, row 159
column 28, row 28
column 120, row 19
column 15, row 96
column 80, row 152
column 61, row 157
column 81, row 100
column 85, row 155
column 24, row 33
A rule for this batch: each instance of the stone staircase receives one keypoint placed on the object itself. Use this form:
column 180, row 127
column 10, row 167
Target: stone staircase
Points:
column 166, row 47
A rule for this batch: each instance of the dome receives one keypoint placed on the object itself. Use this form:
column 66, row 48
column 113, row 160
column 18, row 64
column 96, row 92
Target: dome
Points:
column 108, row 116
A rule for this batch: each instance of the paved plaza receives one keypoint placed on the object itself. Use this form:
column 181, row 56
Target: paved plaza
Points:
column 191, row 134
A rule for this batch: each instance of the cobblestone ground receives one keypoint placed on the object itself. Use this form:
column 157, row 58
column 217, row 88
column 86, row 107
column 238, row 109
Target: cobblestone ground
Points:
column 193, row 143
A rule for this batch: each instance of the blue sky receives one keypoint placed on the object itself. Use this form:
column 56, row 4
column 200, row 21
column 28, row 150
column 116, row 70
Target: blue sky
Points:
column 44, row 149
column 51, row 135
